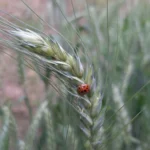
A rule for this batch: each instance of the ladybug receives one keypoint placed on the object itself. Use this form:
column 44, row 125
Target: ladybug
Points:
column 83, row 89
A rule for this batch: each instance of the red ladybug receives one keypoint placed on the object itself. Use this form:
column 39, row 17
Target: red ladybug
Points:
column 83, row 89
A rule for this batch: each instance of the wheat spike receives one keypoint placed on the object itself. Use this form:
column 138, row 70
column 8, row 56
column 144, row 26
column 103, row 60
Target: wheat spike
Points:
column 8, row 134
column 70, row 69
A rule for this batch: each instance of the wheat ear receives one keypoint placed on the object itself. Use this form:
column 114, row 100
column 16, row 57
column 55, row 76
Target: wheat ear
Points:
column 69, row 68
column 8, row 136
